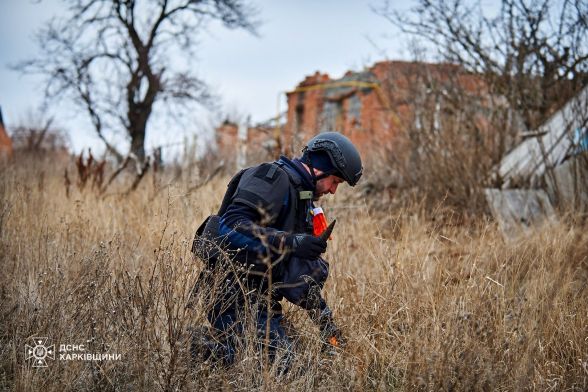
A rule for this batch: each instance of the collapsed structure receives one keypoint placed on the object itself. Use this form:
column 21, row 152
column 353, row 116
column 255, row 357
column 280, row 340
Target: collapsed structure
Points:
column 547, row 171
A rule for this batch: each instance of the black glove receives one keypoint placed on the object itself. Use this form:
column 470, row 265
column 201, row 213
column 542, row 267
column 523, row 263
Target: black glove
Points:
column 306, row 246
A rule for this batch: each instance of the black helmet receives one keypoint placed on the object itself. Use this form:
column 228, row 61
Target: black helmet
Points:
column 342, row 153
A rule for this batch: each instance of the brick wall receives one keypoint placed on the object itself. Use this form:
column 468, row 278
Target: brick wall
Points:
column 258, row 144
column 5, row 142
column 370, row 107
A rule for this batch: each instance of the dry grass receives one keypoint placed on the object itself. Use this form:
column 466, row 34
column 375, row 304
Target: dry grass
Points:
column 423, row 306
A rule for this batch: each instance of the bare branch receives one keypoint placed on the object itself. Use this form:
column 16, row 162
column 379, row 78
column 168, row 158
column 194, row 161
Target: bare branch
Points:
column 112, row 59
column 525, row 52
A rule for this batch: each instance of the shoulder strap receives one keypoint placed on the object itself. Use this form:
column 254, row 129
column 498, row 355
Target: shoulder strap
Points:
column 301, row 193
column 230, row 193
column 302, row 199
column 295, row 180
column 234, row 183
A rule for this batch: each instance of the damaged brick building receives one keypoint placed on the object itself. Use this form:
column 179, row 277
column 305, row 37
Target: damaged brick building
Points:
column 354, row 105
column 242, row 144
column 370, row 106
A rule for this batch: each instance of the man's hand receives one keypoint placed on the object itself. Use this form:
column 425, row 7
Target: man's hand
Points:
column 306, row 246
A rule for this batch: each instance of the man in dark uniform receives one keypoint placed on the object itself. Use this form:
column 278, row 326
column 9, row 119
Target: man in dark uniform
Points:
column 265, row 225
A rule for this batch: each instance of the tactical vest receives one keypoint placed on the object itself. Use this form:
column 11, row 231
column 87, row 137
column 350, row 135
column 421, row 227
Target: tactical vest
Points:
column 296, row 218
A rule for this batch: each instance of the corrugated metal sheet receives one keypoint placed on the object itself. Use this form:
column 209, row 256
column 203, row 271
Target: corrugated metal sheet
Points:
column 529, row 160
column 568, row 184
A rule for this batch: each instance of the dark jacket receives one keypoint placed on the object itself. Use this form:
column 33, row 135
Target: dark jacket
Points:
column 269, row 202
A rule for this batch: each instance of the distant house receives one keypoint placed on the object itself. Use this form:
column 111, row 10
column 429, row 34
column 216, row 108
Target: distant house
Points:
column 5, row 142
column 242, row 144
column 370, row 106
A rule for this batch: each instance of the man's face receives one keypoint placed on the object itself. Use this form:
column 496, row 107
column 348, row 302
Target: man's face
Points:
column 327, row 185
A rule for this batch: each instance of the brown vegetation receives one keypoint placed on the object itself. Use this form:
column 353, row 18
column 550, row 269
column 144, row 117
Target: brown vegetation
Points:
column 423, row 306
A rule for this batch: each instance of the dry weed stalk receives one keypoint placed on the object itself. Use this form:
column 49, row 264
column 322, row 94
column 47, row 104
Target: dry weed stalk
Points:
column 424, row 306
column 90, row 169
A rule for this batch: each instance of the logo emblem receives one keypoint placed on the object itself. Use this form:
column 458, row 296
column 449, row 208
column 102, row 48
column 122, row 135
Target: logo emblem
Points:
column 39, row 352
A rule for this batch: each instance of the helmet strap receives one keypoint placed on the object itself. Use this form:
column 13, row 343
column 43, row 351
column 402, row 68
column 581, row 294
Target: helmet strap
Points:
column 312, row 174
column 321, row 176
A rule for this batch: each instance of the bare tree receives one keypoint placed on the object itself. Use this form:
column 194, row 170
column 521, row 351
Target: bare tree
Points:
column 118, row 60
column 534, row 52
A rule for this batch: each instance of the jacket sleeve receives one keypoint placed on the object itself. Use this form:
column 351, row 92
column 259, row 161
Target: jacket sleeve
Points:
column 261, row 197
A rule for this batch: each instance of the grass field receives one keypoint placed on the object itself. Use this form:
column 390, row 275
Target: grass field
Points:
column 424, row 305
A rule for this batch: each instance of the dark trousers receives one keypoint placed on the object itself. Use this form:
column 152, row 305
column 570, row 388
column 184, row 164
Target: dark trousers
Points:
column 230, row 329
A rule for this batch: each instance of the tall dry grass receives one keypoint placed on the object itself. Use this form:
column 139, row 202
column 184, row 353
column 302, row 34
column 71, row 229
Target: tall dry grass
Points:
column 424, row 306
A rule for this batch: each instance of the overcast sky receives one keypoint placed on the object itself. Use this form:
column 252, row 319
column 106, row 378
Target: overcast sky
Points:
column 297, row 38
